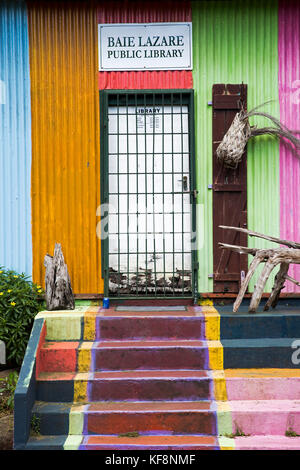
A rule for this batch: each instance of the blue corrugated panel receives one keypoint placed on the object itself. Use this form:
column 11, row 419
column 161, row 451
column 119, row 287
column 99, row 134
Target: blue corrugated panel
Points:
column 15, row 139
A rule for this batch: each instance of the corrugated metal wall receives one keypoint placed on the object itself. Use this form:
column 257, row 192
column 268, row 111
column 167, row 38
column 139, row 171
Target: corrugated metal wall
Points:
column 129, row 11
column 15, row 139
column 235, row 42
column 289, row 97
column 65, row 138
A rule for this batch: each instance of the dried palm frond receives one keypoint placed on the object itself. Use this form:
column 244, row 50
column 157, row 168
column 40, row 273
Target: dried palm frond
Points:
column 232, row 147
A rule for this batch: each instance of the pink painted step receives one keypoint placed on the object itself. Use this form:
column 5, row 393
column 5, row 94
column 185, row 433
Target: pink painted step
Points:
column 170, row 354
column 265, row 417
column 267, row 443
column 272, row 384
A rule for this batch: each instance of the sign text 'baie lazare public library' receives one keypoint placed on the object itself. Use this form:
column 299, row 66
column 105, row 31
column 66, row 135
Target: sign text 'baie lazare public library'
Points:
column 151, row 46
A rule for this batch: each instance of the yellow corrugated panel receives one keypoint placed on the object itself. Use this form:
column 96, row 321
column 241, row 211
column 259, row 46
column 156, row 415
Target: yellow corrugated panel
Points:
column 65, row 139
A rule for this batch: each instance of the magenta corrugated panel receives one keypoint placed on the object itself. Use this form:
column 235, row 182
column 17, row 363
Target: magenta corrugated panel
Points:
column 289, row 96
column 145, row 12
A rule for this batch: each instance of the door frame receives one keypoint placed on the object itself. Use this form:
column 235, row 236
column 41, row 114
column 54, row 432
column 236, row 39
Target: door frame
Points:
column 104, row 184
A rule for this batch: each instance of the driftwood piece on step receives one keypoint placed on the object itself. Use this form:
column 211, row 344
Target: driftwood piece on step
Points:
column 283, row 256
column 59, row 294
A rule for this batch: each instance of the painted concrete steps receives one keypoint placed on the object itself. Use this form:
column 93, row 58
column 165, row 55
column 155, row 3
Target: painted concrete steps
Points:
column 107, row 442
column 259, row 353
column 167, row 354
column 197, row 417
column 104, row 442
column 126, row 385
column 251, row 417
column 125, row 355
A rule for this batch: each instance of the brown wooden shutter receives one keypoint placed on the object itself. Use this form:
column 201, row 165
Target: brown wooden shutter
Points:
column 229, row 193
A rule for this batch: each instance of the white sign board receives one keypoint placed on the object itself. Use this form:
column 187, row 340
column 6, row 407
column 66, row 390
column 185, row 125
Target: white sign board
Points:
column 151, row 46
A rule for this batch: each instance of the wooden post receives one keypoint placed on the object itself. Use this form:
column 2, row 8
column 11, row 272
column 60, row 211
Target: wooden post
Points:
column 59, row 294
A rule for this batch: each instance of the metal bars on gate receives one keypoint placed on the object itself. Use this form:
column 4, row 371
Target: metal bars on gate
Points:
column 147, row 180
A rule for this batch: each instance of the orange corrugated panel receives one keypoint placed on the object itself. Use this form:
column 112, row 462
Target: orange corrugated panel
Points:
column 65, row 139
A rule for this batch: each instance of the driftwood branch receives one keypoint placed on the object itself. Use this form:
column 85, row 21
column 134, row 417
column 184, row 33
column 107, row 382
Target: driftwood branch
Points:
column 283, row 256
column 289, row 278
column 59, row 294
column 261, row 235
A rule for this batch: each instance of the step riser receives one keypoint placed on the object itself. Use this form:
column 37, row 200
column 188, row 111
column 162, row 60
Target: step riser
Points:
column 55, row 391
column 267, row 443
column 66, row 360
column 264, row 388
column 240, row 326
column 259, row 357
column 153, row 422
column 266, row 423
column 150, row 328
column 203, row 422
column 134, row 390
column 154, row 358
column 175, row 389
column 57, row 360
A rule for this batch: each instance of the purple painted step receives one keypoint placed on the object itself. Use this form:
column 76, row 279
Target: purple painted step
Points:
column 128, row 355
column 150, row 385
column 155, row 327
column 196, row 417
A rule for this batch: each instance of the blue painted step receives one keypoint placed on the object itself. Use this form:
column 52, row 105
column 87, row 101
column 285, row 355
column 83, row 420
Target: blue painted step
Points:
column 258, row 353
column 279, row 323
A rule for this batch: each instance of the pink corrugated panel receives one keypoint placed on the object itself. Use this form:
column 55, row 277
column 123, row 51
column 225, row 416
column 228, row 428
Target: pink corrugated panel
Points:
column 289, row 96
column 145, row 12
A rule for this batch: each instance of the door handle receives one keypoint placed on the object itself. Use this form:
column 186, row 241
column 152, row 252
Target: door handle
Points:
column 184, row 183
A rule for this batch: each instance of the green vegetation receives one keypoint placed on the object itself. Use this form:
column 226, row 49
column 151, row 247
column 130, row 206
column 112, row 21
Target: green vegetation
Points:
column 35, row 425
column 238, row 433
column 291, row 433
column 20, row 301
column 130, row 434
column 8, row 390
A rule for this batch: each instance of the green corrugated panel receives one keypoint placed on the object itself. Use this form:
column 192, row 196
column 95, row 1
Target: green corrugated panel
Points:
column 235, row 42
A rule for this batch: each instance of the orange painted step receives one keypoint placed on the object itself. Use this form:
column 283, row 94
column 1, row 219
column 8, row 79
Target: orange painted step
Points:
column 155, row 417
column 190, row 442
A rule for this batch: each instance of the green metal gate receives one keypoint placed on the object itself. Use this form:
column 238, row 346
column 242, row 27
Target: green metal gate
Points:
column 148, row 194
